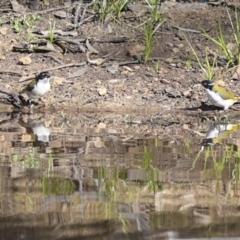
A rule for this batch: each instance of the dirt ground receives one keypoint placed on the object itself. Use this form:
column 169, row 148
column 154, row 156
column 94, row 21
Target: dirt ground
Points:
column 169, row 80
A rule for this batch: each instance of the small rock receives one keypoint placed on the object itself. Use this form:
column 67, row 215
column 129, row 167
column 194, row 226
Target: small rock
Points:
column 67, row 3
column 3, row 30
column 179, row 65
column 186, row 93
column 102, row 125
column 128, row 97
column 172, row 92
column 58, row 80
column 25, row 60
column 128, row 68
column 170, row 44
column 102, row 91
column 168, row 60
column 98, row 82
column 113, row 68
column 124, row 72
column 115, row 81
column 181, row 45
column 137, row 67
column 175, row 50
column 185, row 126
column 79, row 72
column 2, row 57
column 60, row 14
column 137, row 8
column 17, row 7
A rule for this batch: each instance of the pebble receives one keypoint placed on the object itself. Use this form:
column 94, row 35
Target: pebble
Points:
column 186, row 93
column 102, row 91
column 168, row 60
column 116, row 80
column 3, row 30
column 175, row 50
column 58, row 80
column 25, row 60
column 60, row 14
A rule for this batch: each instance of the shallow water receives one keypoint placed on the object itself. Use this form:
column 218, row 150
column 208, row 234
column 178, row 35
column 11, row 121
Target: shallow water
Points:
column 102, row 175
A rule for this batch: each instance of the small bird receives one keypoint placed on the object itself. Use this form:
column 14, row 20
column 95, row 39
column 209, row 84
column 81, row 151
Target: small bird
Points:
column 37, row 129
column 38, row 87
column 219, row 96
column 218, row 132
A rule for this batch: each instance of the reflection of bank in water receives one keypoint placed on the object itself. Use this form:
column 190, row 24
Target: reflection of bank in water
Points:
column 37, row 129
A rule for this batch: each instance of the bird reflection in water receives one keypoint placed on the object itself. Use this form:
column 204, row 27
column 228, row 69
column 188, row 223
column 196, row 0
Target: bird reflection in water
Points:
column 37, row 129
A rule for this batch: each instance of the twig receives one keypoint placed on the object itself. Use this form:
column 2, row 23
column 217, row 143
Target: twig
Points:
column 55, row 59
column 13, row 94
column 11, row 72
column 25, row 78
column 112, row 40
column 68, row 40
column 11, row 122
column 128, row 62
column 5, row 10
column 77, row 12
column 45, row 11
column 82, row 20
column 185, row 29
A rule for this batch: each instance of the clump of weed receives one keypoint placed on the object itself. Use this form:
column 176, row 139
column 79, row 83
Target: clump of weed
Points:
column 25, row 22
column 150, row 27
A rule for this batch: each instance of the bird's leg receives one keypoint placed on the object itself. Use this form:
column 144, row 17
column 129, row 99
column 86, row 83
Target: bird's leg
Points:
column 42, row 101
column 224, row 118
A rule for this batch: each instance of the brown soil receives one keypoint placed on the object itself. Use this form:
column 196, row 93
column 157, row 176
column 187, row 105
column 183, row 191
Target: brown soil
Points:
column 170, row 82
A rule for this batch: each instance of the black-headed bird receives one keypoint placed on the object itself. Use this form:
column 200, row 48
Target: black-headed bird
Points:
column 218, row 95
column 37, row 128
column 216, row 133
column 38, row 87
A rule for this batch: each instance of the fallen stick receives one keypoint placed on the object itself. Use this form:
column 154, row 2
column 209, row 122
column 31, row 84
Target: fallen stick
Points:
column 25, row 78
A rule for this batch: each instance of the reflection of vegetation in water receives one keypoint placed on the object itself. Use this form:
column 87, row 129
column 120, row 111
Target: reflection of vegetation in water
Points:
column 112, row 181
column 150, row 172
column 57, row 186
column 50, row 162
column 113, row 186
column 225, row 164
column 30, row 160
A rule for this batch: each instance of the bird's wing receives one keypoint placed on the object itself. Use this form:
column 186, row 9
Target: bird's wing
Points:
column 223, row 93
column 29, row 87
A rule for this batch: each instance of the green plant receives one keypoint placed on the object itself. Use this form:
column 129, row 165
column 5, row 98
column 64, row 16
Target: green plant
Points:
column 17, row 25
column 33, row 47
column 105, row 7
column 27, row 21
column 208, row 69
column 150, row 27
column 51, row 32
column 30, row 160
column 151, row 173
column 157, row 66
column 119, row 6
column 232, row 54
column 149, row 31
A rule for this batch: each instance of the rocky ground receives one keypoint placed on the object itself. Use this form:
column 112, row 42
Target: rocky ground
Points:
column 115, row 75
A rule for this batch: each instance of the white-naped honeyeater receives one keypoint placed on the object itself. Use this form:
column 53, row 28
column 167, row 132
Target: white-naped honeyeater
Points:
column 218, row 95
column 38, row 87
